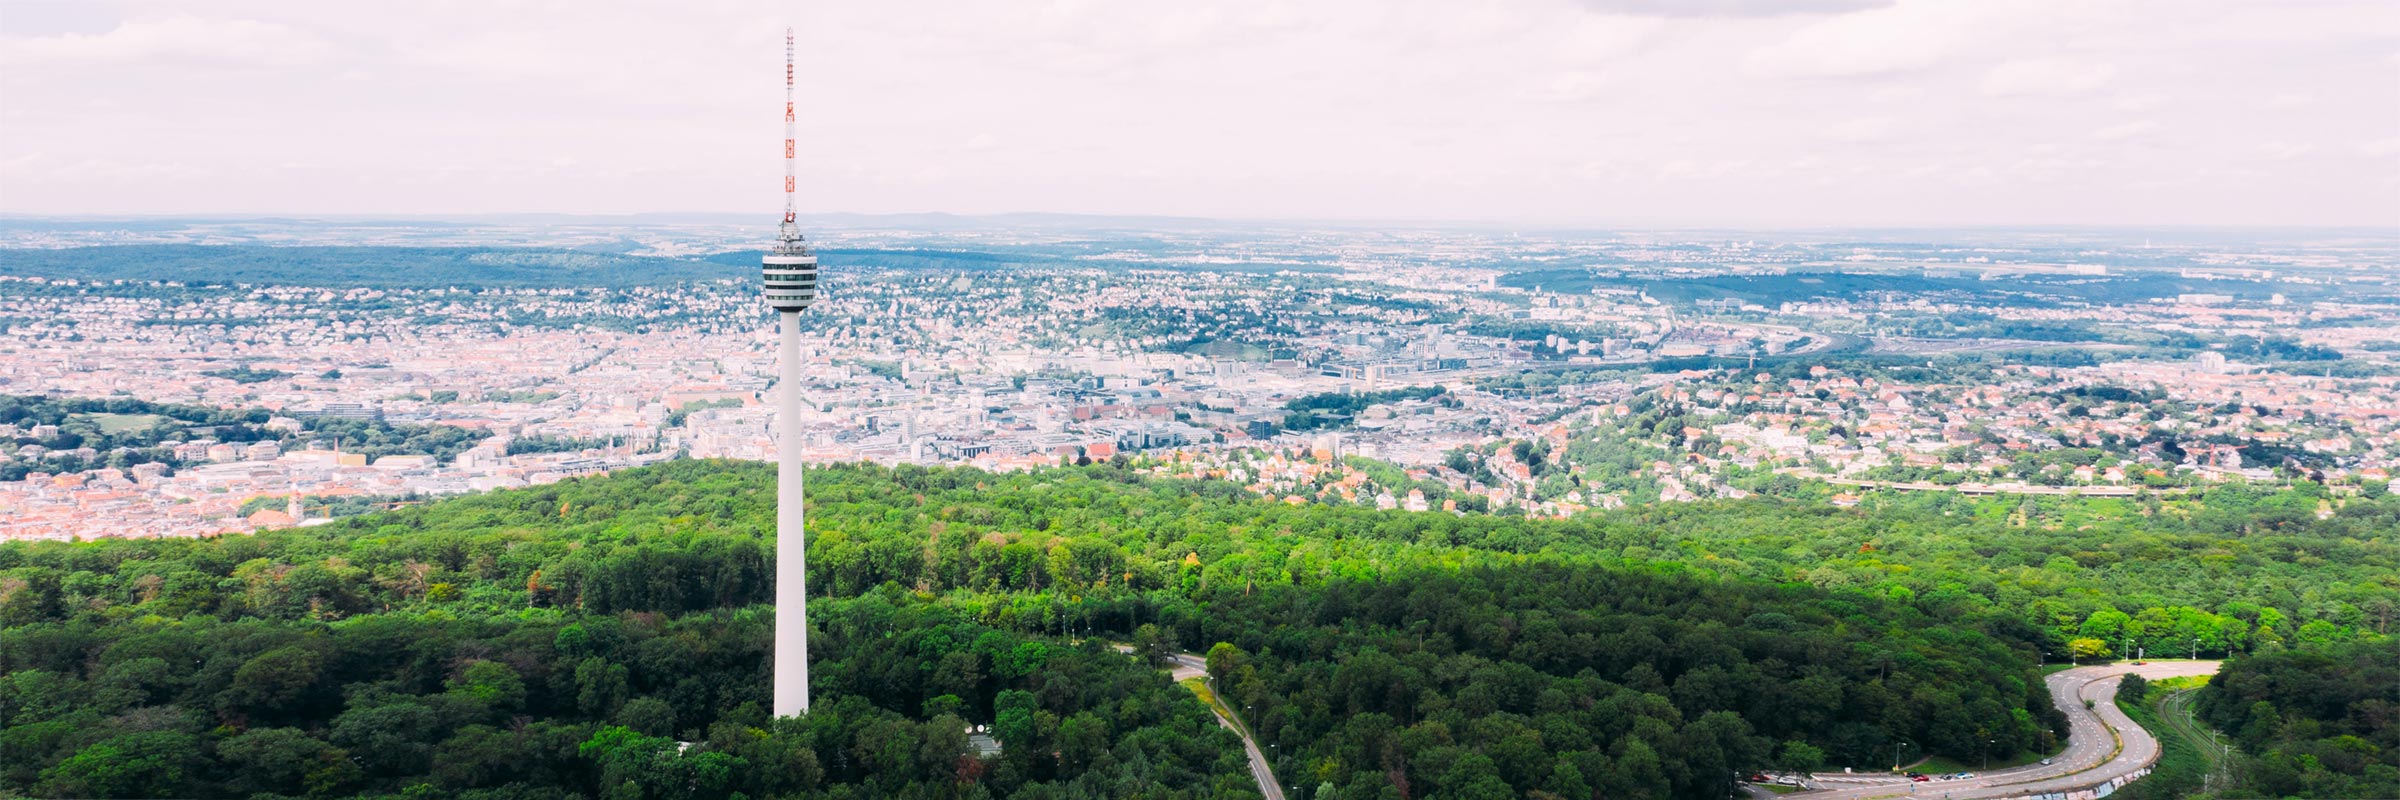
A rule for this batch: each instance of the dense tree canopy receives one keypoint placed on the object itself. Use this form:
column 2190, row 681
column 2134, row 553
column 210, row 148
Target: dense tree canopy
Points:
column 2322, row 720
column 122, row 432
column 562, row 639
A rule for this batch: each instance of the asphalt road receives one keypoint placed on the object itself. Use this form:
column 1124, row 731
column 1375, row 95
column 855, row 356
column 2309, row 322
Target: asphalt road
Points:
column 2102, row 743
column 1188, row 665
column 1181, row 666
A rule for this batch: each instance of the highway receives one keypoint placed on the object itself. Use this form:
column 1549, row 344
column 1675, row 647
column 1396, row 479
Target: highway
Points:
column 2102, row 744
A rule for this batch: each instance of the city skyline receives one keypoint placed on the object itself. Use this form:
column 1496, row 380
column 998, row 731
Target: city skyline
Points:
column 1599, row 113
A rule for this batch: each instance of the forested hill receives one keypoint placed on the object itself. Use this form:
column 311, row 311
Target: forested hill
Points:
column 2320, row 722
column 556, row 641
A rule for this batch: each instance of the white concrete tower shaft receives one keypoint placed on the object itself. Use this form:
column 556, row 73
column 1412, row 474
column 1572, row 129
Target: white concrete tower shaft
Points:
column 791, row 535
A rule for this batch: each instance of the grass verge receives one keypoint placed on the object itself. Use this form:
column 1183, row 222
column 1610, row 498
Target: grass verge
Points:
column 2181, row 765
column 1944, row 765
column 1199, row 686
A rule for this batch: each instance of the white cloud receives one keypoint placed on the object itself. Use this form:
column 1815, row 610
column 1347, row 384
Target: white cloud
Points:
column 1904, row 37
column 2141, row 103
column 1730, row 8
column 1861, row 130
column 2289, row 100
column 2286, row 151
column 2046, row 76
column 1598, row 38
column 1575, row 86
column 178, row 41
column 2124, row 131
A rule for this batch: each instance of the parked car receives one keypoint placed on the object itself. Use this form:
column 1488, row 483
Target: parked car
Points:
column 1918, row 778
column 2045, row 762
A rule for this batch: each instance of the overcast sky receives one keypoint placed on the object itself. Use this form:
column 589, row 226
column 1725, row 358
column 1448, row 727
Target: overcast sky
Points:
column 1588, row 112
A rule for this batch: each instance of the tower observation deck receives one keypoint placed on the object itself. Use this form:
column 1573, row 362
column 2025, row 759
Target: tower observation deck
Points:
column 791, row 273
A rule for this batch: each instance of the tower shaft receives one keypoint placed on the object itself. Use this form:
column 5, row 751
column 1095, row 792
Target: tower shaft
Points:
column 791, row 535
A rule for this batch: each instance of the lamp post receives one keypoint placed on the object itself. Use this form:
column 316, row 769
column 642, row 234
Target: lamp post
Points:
column 1896, row 755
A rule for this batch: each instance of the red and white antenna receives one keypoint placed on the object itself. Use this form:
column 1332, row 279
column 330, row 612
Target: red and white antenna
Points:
column 791, row 132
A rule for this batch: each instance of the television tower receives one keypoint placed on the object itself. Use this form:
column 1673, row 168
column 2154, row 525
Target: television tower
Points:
column 791, row 284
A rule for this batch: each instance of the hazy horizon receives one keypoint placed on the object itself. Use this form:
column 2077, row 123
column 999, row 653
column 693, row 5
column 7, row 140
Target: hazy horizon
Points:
column 765, row 222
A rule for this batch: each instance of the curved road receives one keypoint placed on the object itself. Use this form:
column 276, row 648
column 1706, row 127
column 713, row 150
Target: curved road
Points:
column 1187, row 665
column 2102, row 743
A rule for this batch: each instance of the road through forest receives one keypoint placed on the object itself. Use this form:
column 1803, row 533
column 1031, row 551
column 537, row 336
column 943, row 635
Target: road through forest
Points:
column 2102, row 743
column 1188, row 666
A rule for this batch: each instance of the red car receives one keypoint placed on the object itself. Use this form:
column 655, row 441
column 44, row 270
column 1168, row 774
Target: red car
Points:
column 1919, row 778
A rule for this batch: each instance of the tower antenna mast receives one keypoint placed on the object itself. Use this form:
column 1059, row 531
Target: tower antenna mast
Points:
column 791, row 154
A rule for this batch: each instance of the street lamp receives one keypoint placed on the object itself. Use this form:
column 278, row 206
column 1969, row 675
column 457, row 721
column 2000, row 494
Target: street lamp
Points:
column 1896, row 755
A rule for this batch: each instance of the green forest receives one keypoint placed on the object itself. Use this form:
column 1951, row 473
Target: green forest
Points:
column 1333, row 410
column 2321, row 722
column 566, row 640
column 123, row 432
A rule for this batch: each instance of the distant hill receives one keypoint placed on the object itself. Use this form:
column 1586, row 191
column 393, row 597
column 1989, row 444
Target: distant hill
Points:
column 884, row 258
column 2026, row 289
column 397, row 267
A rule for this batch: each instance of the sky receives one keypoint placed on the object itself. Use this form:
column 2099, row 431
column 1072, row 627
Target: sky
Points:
column 1606, row 113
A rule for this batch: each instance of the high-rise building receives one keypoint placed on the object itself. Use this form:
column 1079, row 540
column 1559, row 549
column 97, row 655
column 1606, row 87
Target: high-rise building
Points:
column 790, row 273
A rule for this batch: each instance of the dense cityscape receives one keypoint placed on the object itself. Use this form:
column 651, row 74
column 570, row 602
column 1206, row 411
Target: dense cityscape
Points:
column 1470, row 371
